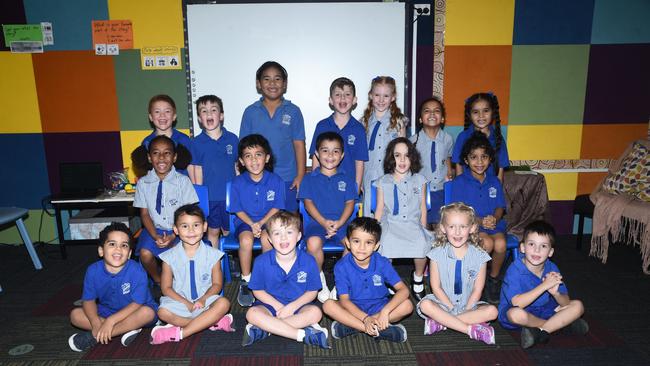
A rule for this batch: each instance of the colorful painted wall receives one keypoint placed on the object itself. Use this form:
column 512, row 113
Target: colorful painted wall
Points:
column 572, row 79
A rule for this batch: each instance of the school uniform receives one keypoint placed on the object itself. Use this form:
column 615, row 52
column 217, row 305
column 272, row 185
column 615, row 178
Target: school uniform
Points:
column 177, row 137
column 501, row 155
column 366, row 287
column 284, row 287
column 434, row 154
column 457, row 276
column 518, row 280
column 483, row 197
column 286, row 126
column 217, row 159
column 354, row 139
column 176, row 191
column 378, row 136
column 403, row 235
column 192, row 277
column 329, row 195
column 114, row 292
column 255, row 198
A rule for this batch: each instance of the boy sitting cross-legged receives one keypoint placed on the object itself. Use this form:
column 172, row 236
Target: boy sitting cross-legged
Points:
column 533, row 296
column 285, row 282
column 361, row 278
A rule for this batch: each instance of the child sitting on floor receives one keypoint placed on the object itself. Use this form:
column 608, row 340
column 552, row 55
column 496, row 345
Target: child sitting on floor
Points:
column 361, row 277
column 533, row 295
column 191, row 282
column 116, row 297
column 285, row 282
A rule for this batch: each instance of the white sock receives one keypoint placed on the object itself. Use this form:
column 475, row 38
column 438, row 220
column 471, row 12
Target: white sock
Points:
column 181, row 334
column 301, row 335
column 323, row 281
column 246, row 278
column 416, row 278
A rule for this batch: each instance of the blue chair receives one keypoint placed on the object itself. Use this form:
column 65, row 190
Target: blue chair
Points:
column 512, row 242
column 230, row 242
column 16, row 214
column 204, row 201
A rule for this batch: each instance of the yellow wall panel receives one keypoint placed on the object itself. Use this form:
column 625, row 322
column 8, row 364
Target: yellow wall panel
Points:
column 561, row 186
column 479, row 22
column 130, row 140
column 155, row 22
column 18, row 99
column 544, row 142
column 10, row 234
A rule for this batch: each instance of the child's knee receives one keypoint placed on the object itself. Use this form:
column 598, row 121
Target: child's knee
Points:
column 492, row 311
column 578, row 305
column 223, row 303
column 313, row 313
column 314, row 244
column 517, row 316
column 329, row 306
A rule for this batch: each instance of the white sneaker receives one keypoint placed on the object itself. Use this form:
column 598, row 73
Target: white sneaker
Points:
column 324, row 294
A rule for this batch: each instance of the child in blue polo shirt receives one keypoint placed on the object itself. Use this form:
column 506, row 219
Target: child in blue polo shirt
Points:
column 256, row 194
column 285, row 282
column 343, row 100
column 484, row 193
column 534, row 296
column 116, row 297
column 329, row 197
column 158, row 194
column 214, row 155
column 281, row 122
column 362, row 277
column 191, row 283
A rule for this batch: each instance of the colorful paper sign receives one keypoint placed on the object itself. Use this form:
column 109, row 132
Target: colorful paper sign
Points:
column 23, row 38
column 161, row 58
column 113, row 32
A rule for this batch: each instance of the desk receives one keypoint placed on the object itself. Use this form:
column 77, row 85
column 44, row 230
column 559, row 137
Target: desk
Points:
column 120, row 200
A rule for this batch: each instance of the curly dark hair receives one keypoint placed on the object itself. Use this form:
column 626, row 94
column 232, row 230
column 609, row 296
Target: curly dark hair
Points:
column 493, row 101
column 114, row 226
column 413, row 154
column 477, row 141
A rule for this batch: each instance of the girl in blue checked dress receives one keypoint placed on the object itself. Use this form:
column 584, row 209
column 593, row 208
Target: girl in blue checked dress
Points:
column 457, row 271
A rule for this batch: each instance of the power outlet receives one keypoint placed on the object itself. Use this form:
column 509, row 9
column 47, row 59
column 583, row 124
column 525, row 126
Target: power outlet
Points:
column 422, row 9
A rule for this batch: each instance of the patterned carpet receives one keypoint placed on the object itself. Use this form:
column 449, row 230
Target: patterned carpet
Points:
column 34, row 308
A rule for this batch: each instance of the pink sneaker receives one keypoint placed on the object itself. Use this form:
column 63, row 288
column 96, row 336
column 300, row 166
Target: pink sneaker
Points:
column 165, row 333
column 482, row 332
column 225, row 324
column 431, row 326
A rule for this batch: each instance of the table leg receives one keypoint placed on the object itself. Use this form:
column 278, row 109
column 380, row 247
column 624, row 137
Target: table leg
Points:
column 59, row 229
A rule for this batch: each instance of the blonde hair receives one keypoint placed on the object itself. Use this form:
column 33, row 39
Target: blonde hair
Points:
column 396, row 117
column 458, row 207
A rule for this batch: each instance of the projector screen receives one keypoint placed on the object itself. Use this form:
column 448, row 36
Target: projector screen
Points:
column 315, row 42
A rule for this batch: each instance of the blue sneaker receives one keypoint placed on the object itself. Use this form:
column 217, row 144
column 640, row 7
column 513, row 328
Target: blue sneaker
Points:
column 340, row 330
column 83, row 341
column 316, row 335
column 253, row 334
column 394, row 333
column 245, row 296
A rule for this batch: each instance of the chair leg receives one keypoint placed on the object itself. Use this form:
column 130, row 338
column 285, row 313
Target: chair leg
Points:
column 225, row 264
column 28, row 244
column 581, row 226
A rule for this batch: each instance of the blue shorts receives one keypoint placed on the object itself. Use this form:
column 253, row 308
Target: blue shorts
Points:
column 272, row 310
column 542, row 312
column 146, row 242
column 437, row 201
column 500, row 228
column 244, row 227
column 315, row 229
column 219, row 217
column 290, row 198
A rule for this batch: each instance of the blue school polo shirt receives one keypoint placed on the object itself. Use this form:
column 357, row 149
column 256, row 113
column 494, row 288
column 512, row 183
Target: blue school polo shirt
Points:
column 329, row 194
column 483, row 197
column 366, row 287
column 518, row 280
column 115, row 291
column 502, row 155
column 256, row 198
column 286, row 126
column 354, row 138
column 217, row 160
column 285, row 287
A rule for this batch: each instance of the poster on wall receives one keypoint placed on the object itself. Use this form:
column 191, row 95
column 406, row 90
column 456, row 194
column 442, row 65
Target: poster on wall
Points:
column 109, row 36
column 23, row 38
column 161, row 58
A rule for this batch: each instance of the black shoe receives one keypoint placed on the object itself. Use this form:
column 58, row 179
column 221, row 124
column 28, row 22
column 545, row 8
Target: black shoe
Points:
column 340, row 330
column 80, row 342
column 579, row 327
column 418, row 295
column 394, row 333
column 533, row 336
column 245, row 297
column 492, row 290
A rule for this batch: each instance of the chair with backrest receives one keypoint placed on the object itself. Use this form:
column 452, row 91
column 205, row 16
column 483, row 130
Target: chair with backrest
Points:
column 15, row 215
column 512, row 242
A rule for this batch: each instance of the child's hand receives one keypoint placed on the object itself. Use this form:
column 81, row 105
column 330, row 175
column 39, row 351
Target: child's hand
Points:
column 331, row 227
column 198, row 304
column 382, row 320
column 165, row 240
column 370, row 324
column 189, row 305
column 105, row 332
column 552, row 282
column 286, row 311
column 489, row 222
column 257, row 229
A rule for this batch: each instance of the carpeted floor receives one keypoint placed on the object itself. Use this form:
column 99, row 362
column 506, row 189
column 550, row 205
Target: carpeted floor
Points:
column 34, row 308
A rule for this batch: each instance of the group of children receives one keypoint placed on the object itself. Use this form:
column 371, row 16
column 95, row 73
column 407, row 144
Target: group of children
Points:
column 402, row 182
